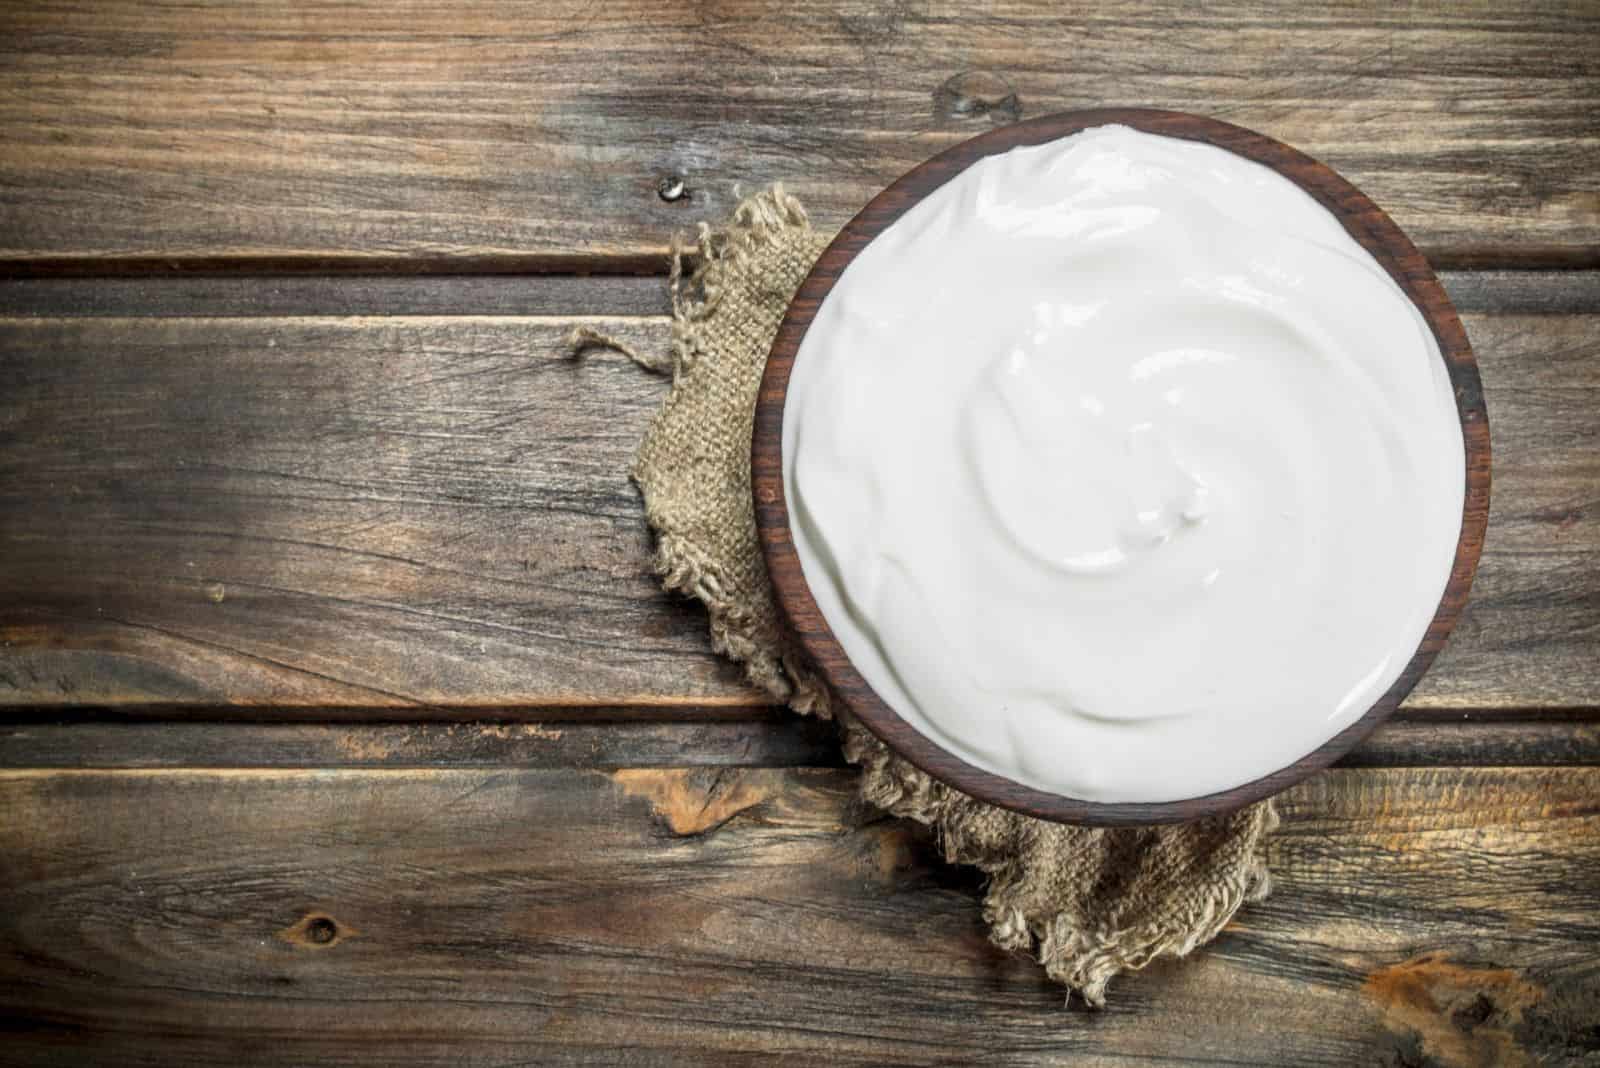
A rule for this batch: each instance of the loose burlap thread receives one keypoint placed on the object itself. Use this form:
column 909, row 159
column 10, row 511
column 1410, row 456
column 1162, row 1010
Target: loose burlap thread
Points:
column 1088, row 902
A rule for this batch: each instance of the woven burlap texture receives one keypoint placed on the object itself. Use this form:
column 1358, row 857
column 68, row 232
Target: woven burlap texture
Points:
column 1087, row 902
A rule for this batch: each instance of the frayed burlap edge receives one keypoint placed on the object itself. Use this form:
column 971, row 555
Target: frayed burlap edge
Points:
column 743, row 619
column 1088, row 903
column 1011, row 849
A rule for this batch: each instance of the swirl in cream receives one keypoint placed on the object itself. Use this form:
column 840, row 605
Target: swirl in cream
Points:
column 1119, row 469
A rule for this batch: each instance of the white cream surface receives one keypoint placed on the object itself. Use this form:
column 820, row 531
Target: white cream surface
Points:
column 1119, row 469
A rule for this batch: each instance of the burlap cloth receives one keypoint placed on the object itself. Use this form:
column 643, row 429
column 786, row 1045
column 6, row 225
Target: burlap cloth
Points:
column 1087, row 902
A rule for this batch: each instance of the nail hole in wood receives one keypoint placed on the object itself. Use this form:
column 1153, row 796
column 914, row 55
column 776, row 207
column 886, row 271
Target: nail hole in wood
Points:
column 671, row 188
column 976, row 94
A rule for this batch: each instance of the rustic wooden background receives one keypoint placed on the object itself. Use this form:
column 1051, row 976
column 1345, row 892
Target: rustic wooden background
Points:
column 341, row 719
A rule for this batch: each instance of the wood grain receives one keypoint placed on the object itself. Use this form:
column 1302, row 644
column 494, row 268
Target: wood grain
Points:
column 1365, row 223
column 281, row 513
column 401, row 132
column 667, row 916
column 431, row 517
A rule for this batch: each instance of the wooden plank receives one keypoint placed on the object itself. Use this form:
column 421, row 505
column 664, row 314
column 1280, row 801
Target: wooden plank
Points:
column 666, row 916
column 285, row 512
column 278, row 295
column 554, row 131
column 298, row 516
column 767, row 739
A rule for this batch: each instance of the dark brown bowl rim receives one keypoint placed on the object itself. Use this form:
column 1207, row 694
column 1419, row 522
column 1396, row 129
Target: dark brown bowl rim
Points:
column 1364, row 221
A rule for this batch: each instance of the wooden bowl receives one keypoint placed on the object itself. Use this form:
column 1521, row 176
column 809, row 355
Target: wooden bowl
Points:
column 1361, row 218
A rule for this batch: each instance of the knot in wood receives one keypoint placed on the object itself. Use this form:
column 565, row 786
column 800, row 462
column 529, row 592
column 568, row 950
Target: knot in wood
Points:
column 315, row 931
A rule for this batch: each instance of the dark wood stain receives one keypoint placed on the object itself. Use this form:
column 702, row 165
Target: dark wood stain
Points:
column 1362, row 219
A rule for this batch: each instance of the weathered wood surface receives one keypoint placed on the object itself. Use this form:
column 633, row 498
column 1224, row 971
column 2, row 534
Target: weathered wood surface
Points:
column 548, row 133
column 666, row 916
column 274, row 546
column 287, row 516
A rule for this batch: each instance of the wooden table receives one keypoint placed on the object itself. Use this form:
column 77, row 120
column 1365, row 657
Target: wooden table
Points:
column 343, row 720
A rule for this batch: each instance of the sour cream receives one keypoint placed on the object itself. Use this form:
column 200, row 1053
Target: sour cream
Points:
column 1119, row 469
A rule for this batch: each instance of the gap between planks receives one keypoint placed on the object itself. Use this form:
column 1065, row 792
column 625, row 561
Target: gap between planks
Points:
column 570, row 296
column 619, row 263
column 788, row 741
